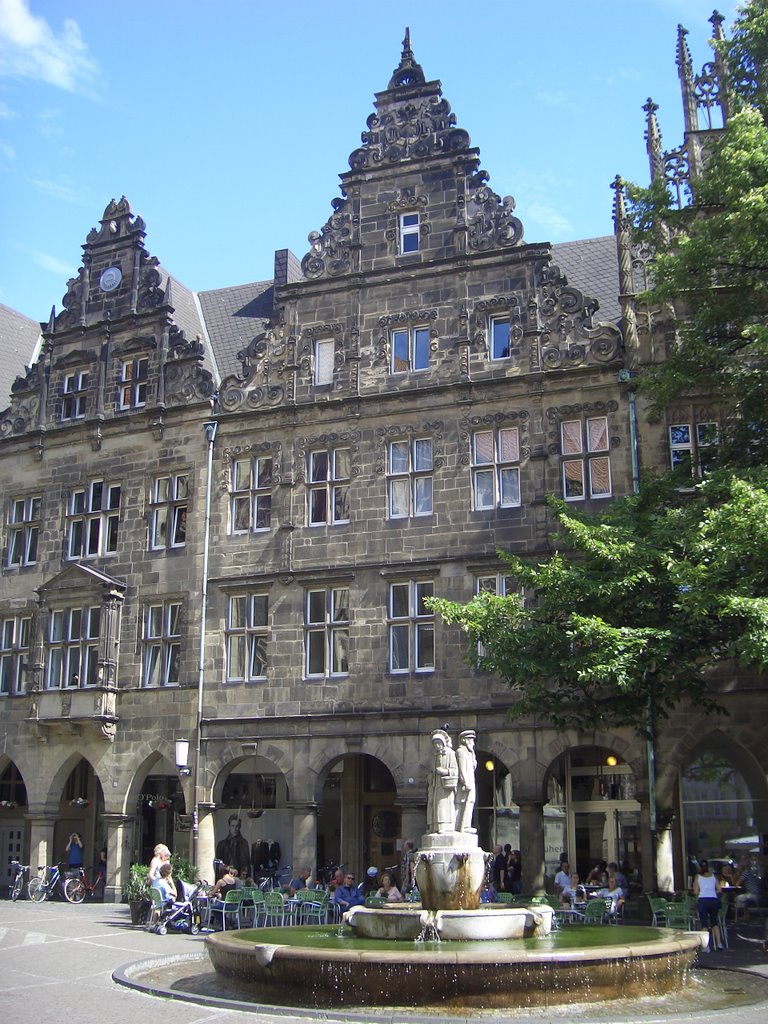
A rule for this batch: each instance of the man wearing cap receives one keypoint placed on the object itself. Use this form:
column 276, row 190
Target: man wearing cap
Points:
column 466, row 760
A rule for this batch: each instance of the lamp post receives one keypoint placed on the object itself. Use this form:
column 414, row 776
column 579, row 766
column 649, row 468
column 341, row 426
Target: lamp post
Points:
column 182, row 757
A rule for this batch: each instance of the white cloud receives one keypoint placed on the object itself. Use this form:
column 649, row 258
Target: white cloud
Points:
column 5, row 111
column 61, row 267
column 59, row 190
column 7, row 152
column 549, row 219
column 30, row 48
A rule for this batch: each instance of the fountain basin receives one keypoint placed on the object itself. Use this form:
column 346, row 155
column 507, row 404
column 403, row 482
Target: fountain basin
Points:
column 409, row 921
column 316, row 967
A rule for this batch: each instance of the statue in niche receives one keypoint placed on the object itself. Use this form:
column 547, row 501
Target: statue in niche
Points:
column 466, row 760
column 442, row 783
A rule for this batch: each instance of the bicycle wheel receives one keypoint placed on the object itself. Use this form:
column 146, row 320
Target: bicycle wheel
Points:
column 17, row 887
column 74, row 890
column 37, row 889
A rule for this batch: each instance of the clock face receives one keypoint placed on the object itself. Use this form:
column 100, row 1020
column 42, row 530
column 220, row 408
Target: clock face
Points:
column 386, row 824
column 110, row 279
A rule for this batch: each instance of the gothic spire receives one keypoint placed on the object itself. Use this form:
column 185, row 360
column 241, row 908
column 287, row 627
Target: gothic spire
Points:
column 408, row 72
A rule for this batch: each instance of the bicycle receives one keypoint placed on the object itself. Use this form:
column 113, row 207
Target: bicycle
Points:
column 18, row 880
column 46, row 883
column 78, row 887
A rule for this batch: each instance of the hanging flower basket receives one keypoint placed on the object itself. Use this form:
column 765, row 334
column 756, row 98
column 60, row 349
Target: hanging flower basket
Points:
column 8, row 803
column 79, row 801
column 159, row 805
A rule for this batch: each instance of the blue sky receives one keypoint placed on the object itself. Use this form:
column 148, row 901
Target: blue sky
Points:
column 227, row 124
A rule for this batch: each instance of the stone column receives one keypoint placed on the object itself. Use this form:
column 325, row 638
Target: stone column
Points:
column 532, row 846
column 304, row 852
column 119, row 838
column 206, row 842
column 41, row 851
column 665, row 874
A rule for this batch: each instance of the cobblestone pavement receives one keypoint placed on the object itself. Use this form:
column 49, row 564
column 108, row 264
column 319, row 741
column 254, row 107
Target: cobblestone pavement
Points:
column 58, row 962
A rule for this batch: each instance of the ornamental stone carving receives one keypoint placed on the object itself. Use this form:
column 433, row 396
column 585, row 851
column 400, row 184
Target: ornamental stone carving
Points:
column 490, row 219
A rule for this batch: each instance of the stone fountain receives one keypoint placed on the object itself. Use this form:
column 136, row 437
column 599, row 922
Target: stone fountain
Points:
column 450, row 949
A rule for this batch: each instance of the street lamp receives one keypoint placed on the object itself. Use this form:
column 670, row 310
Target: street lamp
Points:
column 182, row 756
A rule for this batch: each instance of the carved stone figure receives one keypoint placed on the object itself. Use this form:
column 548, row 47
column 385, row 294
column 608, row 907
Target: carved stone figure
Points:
column 466, row 760
column 442, row 783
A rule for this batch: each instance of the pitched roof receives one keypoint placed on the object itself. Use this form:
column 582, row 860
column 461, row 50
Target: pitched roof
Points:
column 591, row 265
column 19, row 338
column 233, row 318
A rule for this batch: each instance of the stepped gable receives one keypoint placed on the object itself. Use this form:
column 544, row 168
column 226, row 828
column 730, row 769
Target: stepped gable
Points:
column 121, row 311
column 413, row 126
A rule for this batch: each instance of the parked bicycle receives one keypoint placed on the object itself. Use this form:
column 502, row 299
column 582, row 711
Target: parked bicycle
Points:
column 275, row 880
column 78, row 887
column 47, row 882
column 22, row 870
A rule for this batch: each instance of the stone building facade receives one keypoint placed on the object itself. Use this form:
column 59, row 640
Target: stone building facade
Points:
column 223, row 513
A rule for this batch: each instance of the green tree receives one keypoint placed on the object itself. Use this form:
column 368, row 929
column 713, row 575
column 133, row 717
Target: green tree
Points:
column 711, row 258
column 635, row 608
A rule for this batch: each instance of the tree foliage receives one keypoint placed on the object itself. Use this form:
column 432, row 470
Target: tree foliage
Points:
column 634, row 609
column 711, row 259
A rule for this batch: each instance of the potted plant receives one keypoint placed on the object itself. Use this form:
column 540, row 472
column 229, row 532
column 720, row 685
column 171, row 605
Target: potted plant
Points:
column 135, row 893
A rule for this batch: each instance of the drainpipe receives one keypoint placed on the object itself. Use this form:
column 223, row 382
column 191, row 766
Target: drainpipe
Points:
column 210, row 433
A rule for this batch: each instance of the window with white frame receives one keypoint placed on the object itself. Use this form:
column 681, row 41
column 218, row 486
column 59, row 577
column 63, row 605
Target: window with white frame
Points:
column 162, row 643
column 499, row 335
column 251, row 496
column 72, row 647
column 132, row 389
column 409, row 479
column 14, row 653
column 23, row 530
column 169, row 511
column 585, row 459
column 326, row 632
column 411, row 627
column 74, row 396
column 328, row 487
column 93, row 520
column 325, row 351
column 410, row 349
column 500, row 586
column 409, row 232
column 693, row 447
column 247, row 633
column 495, row 468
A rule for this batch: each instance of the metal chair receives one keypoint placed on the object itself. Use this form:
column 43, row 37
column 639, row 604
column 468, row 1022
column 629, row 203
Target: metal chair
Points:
column 156, row 909
column 658, row 907
column 274, row 908
column 229, row 907
column 314, row 907
column 595, row 911
column 678, row 915
column 252, row 906
column 722, row 920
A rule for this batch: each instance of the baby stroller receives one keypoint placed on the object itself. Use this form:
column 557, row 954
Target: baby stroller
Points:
column 182, row 916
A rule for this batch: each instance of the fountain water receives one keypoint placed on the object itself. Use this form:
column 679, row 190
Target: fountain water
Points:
column 485, row 956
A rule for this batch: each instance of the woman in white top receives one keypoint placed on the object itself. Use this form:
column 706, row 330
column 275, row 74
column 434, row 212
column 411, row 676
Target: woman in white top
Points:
column 707, row 887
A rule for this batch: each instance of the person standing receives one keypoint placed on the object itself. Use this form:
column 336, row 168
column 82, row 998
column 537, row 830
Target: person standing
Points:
column 408, row 867
column 707, row 887
column 74, row 851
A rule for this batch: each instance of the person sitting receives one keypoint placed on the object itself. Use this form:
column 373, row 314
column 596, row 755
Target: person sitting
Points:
column 599, row 874
column 388, row 890
column 337, row 880
column 751, row 883
column 165, row 885
column 562, row 878
column 229, row 880
column 613, row 892
column 574, row 894
column 621, row 878
column 300, row 882
column 348, row 895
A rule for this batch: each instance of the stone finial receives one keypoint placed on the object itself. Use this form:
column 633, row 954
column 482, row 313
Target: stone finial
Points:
column 653, row 140
column 408, row 72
